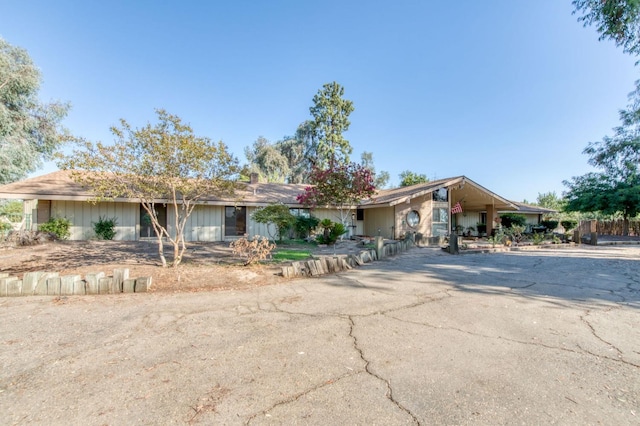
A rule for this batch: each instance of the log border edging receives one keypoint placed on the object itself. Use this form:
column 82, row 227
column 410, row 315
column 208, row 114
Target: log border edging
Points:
column 42, row 283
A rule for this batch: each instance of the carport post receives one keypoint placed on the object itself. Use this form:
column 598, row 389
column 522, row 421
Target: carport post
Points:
column 380, row 247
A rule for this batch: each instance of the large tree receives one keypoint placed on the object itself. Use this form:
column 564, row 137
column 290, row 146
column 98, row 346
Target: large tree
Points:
column 550, row 200
column 268, row 161
column 330, row 120
column 408, row 178
column 342, row 186
column 617, row 20
column 164, row 162
column 30, row 131
column 616, row 189
column 300, row 151
column 380, row 179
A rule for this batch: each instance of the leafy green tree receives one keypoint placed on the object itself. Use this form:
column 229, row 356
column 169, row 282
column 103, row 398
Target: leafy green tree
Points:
column 164, row 161
column 330, row 120
column 30, row 131
column 301, row 151
column 341, row 186
column 381, row 179
column 604, row 194
column 266, row 159
column 510, row 219
column 617, row 188
column 278, row 215
column 296, row 149
column 11, row 207
column 408, row 178
column 617, row 20
column 550, row 200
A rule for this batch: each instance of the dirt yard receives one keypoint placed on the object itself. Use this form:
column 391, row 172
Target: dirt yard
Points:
column 206, row 266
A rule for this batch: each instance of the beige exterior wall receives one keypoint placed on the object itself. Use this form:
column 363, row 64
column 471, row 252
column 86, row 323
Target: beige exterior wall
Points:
column 264, row 230
column 423, row 207
column 82, row 214
column 379, row 221
column 207, row 223
column 532, row 218
column 332, row 215
column 204, row 224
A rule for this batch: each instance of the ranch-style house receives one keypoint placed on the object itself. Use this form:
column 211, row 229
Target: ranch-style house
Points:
column 430, row 209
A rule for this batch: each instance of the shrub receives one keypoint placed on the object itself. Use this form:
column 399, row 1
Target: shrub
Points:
column 482, row 228
column 497, row 238
column 58, row 226
column 537, row 238
column 5, row 227
column 516, row 233
column 304, row 225
column 105, row 227
column 276, row 214
column 511, row 219
column 569, row 224
column 549, row 224
column 331, row 232
column 254, row 250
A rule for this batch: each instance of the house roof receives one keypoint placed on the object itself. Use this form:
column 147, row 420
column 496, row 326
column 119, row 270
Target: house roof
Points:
column 59, row 186
column 468, row 193
column 528, row 208
column 472, row 196
column 395, row 196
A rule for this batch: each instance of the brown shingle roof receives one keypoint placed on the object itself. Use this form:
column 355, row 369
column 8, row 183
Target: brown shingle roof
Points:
column 399, row 195
column 59, row 186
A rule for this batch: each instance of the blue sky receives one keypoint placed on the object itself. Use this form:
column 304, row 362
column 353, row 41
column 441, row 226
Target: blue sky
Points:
column 505, row 92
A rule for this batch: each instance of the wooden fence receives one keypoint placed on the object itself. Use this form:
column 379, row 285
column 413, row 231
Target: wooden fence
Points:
column 609, row 227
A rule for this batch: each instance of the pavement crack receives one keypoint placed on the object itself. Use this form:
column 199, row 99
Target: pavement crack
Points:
column 595, row 334
column 367, row 368
column 522, row 342
column 299, row 395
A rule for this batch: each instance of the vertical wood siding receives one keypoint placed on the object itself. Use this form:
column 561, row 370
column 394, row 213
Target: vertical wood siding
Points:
column 83, row 214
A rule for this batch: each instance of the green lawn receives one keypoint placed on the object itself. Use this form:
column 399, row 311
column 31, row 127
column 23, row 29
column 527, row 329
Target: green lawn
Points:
column 283, row 255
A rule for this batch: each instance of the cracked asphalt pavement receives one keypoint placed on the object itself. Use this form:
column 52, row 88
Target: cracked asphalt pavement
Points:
column 531, row 337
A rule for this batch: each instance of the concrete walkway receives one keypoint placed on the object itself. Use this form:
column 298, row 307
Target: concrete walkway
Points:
column 422, row 338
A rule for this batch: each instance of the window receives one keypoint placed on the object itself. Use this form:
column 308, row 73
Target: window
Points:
column 440, row 221
column 235, row 221
column 483, row 218
column 300, row 212
column 359, row 214
column 441, row 194
column 413, row 218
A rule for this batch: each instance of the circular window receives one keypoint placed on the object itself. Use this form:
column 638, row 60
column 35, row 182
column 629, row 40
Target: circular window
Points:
column 413, row 218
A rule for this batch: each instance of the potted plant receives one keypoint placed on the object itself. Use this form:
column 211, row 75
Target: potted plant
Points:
column 470, row 229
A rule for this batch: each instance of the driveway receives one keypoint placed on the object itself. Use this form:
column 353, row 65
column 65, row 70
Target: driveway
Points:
column 531, row 337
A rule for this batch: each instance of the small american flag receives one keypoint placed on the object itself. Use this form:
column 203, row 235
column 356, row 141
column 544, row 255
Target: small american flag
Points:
column 456, row 209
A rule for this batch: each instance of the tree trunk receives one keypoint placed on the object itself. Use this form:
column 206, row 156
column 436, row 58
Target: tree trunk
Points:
column 161, row 251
